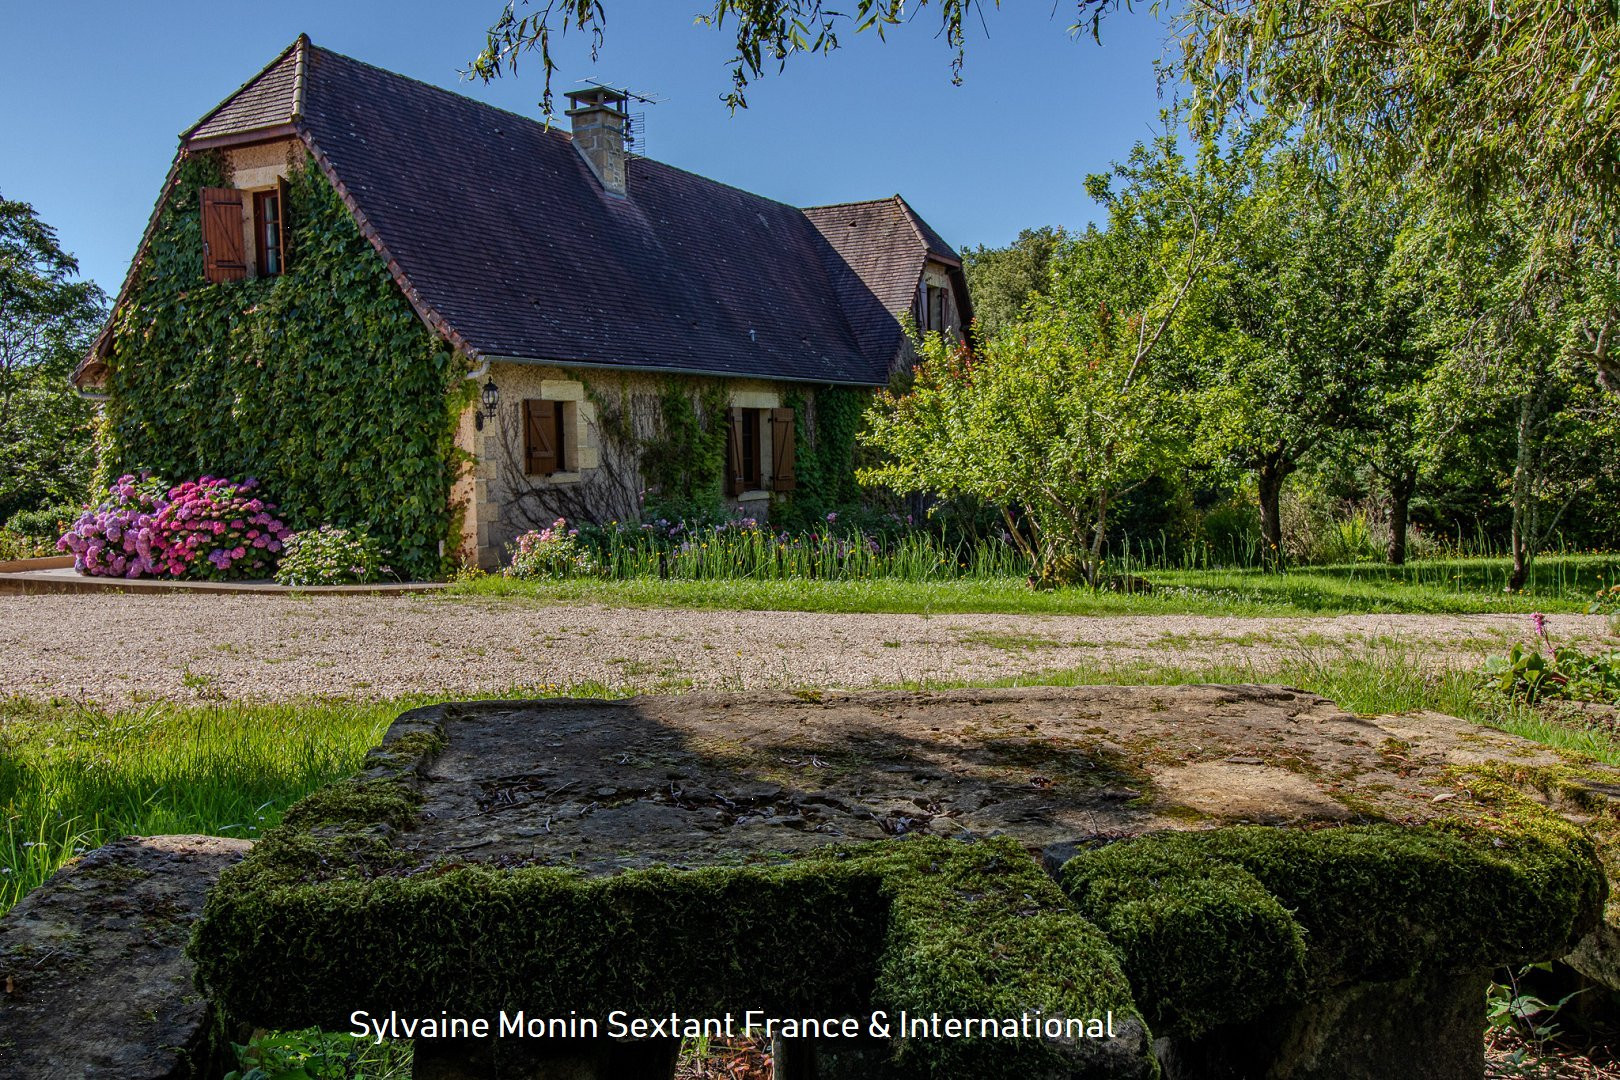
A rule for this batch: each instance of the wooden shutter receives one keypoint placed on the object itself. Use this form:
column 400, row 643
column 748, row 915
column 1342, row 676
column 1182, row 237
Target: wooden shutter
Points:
column 734, row 453
column 783, row 437
column 541, row 455
column 222, row 235
column 281, row 219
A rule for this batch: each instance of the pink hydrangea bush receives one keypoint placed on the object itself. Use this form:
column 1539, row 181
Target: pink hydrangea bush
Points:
column 119, row 537
column 217, row 529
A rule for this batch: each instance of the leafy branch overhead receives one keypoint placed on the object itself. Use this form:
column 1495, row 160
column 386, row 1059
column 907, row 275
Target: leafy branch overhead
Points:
column 766, row 33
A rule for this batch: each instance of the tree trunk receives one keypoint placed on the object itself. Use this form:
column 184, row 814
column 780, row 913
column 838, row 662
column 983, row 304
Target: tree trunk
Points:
column 1099, row 531
column 1400, row 502
column 1273, row 470
column 1519, row 538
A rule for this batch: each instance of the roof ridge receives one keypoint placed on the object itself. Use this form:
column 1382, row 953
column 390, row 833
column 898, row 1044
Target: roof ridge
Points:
column 300, row 62
column 911, row 219
column 851, row 202
column 234, row 94
column 545, row 124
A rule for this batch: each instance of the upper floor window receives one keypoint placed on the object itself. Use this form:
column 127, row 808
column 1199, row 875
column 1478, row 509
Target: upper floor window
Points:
column 236, row 223
column 936, row 305
column 268, row 232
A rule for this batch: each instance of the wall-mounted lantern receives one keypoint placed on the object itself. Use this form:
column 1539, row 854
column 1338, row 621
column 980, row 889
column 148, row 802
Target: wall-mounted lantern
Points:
column 490, row 400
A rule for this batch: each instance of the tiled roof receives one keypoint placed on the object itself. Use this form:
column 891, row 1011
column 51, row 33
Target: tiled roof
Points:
column 266, row 100
column 502, row 237
column 506, row 234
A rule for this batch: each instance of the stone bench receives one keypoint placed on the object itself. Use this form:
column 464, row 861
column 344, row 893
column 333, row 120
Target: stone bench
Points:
column 94, row 981
column 1237, row 880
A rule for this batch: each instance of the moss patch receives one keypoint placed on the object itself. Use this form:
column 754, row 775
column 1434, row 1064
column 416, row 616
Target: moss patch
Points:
column 1204, row 942
column 1214, row 926
column 920, row 925
column 326, row 916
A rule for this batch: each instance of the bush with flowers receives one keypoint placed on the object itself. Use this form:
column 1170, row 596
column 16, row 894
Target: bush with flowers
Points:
column 216, row 529
column 207, row 528
column 119, row 536
column 552, row 552
column 332, row 556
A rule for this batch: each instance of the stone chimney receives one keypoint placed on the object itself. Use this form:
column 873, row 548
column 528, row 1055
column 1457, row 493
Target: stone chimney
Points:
column 599, row 118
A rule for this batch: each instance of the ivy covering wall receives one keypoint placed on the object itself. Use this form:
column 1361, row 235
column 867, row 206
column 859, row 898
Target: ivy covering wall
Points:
column 322, row 382
column 825, row 450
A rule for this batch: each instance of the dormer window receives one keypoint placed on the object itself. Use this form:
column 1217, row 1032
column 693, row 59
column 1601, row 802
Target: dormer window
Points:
column 268, row 232
column 936, row 309
column 230, row 217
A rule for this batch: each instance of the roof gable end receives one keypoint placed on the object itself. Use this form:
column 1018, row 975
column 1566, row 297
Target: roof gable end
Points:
column 271, row 99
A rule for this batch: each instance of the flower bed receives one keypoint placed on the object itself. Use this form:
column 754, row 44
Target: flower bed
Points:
column 746, row 548
column 209, row 528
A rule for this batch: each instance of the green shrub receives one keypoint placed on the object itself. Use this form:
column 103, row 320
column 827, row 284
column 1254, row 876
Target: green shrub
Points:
column 14, row 546
column 332, row 556
column 554, row 552
column 49, row 521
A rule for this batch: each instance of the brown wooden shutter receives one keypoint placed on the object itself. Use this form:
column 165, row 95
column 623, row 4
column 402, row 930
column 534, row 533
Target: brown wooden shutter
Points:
column 735, row 480
column 783, row 438
column 540, row 450
column 281, row 219
column 222, row 235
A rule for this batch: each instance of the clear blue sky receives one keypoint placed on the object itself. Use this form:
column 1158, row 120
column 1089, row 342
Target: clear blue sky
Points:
column 96, row 92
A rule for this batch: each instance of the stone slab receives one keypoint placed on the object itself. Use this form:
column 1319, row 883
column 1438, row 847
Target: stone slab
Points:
column 93, row 978
column 708, row 779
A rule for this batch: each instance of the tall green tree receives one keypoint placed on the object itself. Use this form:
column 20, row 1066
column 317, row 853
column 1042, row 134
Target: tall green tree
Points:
column 1056, row 417
column 1509, row 385
column 46, row 321
column 1052, row 428
column 1389, row 435
column 1277, row 337
column 1482, row 102
column 1004, row 280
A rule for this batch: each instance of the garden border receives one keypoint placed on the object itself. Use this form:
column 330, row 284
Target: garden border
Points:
column 56, row 578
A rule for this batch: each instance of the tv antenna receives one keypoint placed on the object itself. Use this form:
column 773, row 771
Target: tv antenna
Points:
column 635, row 122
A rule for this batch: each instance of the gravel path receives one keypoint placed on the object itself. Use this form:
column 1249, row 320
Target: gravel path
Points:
column 114, row 649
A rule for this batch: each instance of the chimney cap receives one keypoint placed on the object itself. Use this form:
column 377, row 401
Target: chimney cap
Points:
column 596, row 97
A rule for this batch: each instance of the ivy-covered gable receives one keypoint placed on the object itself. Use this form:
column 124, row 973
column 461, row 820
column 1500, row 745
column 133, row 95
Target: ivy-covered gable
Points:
column 322, row 382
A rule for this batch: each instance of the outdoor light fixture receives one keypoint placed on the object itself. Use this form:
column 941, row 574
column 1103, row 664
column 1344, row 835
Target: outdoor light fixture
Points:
column 491, row 398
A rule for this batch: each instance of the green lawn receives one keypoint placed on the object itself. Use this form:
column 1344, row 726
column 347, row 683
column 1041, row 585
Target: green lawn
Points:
column 1561, row 584
column 72, row 778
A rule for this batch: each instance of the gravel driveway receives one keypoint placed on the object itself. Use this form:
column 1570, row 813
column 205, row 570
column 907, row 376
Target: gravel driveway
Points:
column 117, row 648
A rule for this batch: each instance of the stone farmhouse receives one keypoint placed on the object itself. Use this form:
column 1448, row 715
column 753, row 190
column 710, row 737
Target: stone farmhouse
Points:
column 576, row 286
